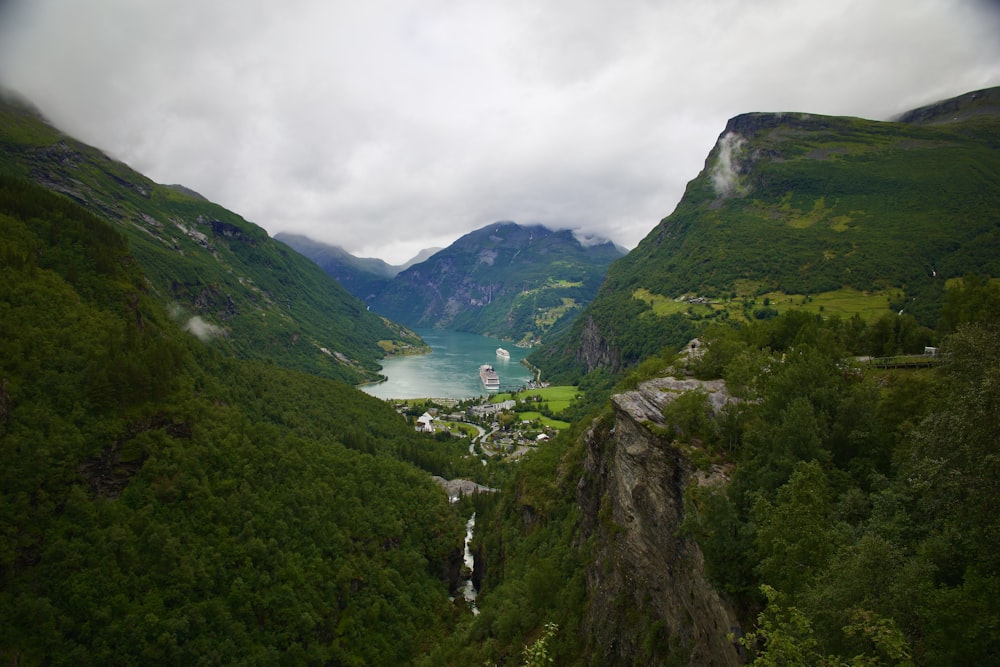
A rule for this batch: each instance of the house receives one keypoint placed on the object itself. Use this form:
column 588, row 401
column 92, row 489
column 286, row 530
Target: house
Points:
column 491, row 408
column 425, row 423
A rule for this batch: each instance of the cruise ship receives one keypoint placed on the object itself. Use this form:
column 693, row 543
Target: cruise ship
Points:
column 502, row 353
column 489, row 377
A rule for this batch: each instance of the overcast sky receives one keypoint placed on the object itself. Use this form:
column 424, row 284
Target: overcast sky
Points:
column 387, row 126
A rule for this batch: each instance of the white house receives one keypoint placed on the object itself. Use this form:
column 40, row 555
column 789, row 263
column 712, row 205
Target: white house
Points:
column 425, row 423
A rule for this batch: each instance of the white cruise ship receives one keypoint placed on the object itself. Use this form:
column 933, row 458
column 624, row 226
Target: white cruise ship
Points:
column 489, row 377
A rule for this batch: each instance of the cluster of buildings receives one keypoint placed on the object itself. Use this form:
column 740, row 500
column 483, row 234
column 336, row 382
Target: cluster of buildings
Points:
column 487, row 409
column 505, row 435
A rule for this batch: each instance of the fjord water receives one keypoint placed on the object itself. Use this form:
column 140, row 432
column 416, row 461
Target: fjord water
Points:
column 451, row 370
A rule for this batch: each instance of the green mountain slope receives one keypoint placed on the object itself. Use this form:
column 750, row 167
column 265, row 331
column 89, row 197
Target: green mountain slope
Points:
column 506, row 280
column 805, row 205
column 161, row 503
column 225, row 276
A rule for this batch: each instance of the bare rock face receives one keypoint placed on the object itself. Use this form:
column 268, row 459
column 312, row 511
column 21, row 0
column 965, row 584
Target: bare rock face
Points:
column 594, row 351
column 647, row 402
column 461, row 487
column 650, row 600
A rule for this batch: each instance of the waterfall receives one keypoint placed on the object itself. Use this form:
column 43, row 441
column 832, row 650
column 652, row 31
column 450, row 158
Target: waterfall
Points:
column 469, row 564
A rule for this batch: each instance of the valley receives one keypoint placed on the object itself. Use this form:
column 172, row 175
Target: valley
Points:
column 522, row 283
column 191, row 475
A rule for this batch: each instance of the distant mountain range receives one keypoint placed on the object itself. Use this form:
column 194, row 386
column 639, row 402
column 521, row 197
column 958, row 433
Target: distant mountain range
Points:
column 226, row 279
column 838, row 215
column 517, row 282
column 364, row 277
column 834, row 215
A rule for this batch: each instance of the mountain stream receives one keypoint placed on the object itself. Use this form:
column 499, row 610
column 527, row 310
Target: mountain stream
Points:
column 468, row 589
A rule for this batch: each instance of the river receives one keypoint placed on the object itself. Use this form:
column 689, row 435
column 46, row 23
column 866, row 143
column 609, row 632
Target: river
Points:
column 451, row 370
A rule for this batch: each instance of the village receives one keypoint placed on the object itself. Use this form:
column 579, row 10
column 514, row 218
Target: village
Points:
column 506, row 428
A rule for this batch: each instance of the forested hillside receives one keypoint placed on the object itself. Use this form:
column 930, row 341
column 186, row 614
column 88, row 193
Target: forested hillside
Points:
column 226, row 278
column 803, row 210
column 769, row 495
column 165, row 504
column 511, row 281
column 842, row 513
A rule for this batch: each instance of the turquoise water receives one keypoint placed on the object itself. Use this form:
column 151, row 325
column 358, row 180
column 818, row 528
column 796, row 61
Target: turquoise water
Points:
column 451, row 370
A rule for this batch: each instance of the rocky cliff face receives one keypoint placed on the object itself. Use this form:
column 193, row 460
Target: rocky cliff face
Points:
column 594, row 350
column 650, row 600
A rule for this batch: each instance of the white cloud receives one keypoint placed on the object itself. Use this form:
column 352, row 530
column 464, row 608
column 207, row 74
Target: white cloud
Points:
column 390, row 125
column 725, row 172
column 202, row 330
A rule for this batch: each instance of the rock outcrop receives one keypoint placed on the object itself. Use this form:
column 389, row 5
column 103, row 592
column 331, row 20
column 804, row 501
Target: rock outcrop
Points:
column 651, row 602
column 594, row 351
column 456, row 488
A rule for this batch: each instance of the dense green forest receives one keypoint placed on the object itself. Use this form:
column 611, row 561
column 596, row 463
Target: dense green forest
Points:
column 857, row 523
column 861, row 498
column 163, row 504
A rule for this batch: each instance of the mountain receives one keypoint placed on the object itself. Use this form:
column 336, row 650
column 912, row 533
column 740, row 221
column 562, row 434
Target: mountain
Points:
column 765, row 496
column 224, row 277
column 506, row 280
column 421, row 256
column 980, row 104
column 364, row 277
column 165, row 502
column 832, row 214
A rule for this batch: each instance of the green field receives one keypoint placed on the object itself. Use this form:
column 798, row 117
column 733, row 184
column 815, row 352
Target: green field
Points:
column 547, row 421
column 843, row 302
column 556, row 399
column 460, row 427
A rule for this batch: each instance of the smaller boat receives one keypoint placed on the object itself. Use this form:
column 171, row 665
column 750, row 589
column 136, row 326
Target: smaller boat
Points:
column 489, row 377
column 502, row 353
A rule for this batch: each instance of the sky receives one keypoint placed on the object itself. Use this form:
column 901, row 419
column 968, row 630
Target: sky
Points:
column 389, row 126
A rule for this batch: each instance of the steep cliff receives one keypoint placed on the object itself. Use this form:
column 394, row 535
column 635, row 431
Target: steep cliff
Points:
column 650, row 601
column 594, row 351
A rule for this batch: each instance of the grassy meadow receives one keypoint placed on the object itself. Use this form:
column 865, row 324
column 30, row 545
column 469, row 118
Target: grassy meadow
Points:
column 844, row 302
